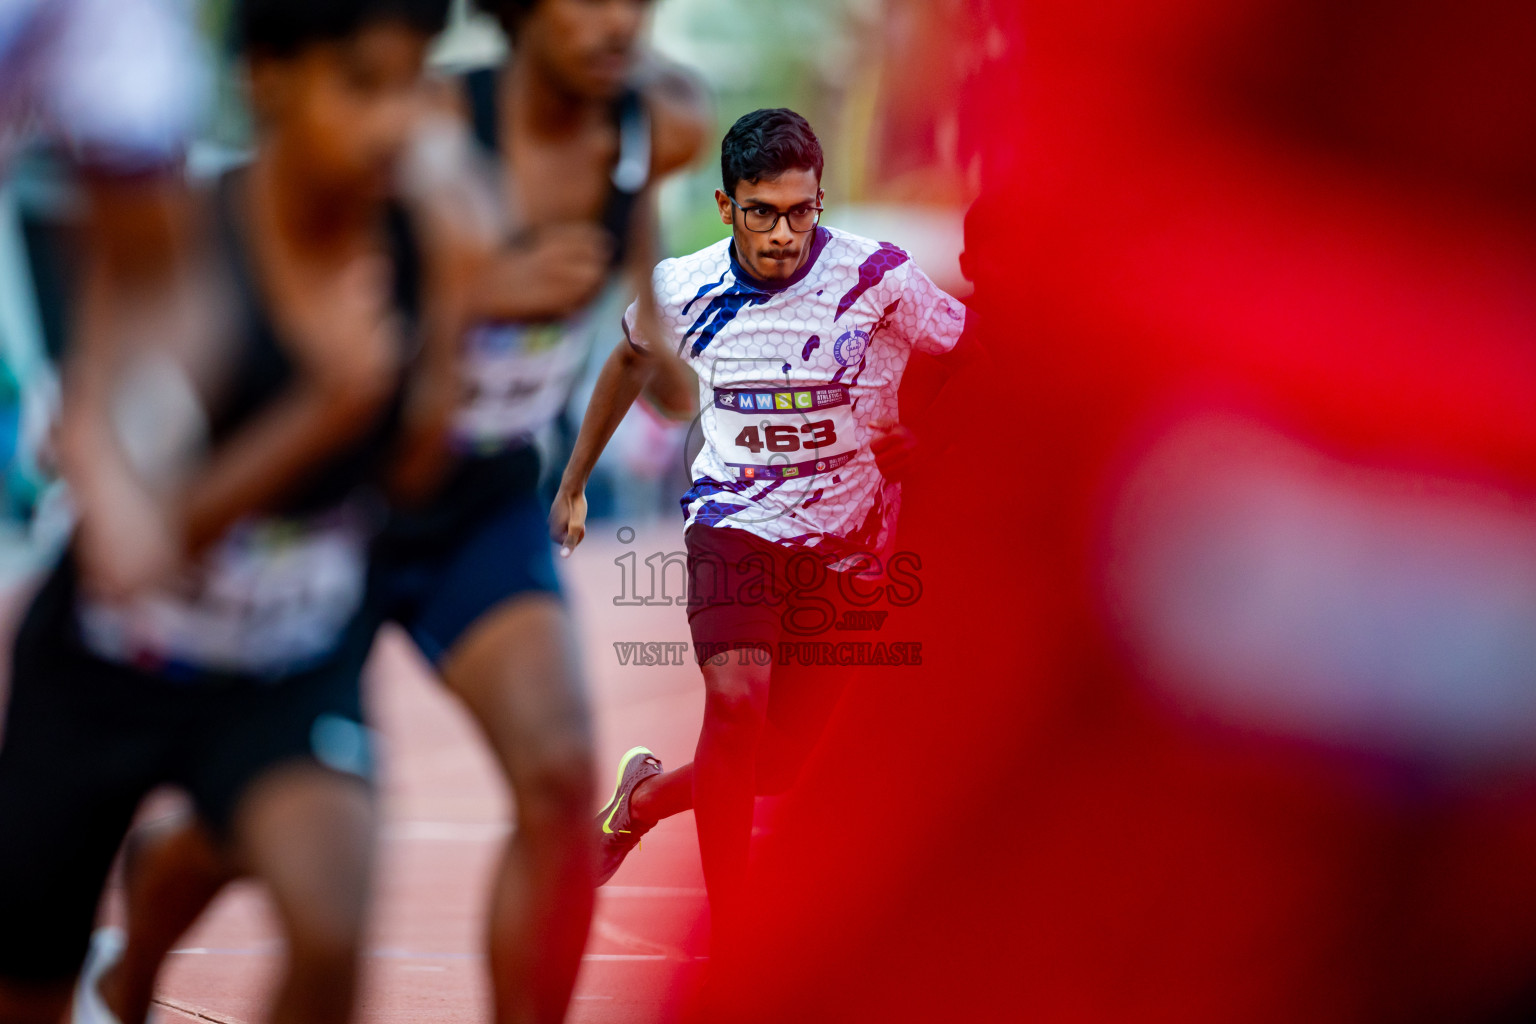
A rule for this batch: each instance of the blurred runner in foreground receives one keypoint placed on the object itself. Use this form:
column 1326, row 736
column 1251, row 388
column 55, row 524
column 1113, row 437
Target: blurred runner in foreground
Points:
column 576, row 133
column 799, row 335
column 572, row 135
column 237, row 677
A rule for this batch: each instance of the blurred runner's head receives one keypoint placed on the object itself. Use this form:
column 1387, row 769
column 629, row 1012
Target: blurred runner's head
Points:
column 338, row 81
column 585, row 46
column 771, row 164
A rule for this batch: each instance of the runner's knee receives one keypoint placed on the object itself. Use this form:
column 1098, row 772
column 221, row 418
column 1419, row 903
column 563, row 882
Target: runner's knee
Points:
column 736, row 700
column 556, row 779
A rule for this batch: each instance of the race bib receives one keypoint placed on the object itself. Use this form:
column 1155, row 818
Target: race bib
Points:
column 785, row 433
column 516, row 378
column 274, row 597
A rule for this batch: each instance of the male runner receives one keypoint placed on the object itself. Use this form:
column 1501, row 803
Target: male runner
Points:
column 239, row 679
column 575, row 133
column 799, row 335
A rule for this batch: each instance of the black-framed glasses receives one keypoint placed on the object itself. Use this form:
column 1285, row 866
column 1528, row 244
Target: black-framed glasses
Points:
column 763, row 219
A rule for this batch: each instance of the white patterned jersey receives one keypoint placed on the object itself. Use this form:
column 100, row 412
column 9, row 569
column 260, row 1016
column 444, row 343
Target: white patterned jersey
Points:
column 791, row 375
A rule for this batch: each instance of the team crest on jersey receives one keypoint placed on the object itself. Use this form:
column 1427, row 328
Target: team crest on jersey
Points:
column 849, row 349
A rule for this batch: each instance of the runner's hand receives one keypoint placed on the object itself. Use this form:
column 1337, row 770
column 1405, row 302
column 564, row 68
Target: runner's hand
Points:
column 568, row 520
column 555, row 272
column 893, row 445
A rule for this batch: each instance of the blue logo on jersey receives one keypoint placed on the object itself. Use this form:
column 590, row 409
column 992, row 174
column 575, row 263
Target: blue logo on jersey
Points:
column 765, row 401
column 849, row 349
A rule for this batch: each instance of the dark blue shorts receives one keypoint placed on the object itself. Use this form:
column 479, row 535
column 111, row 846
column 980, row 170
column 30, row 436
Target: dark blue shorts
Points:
column 437, row 591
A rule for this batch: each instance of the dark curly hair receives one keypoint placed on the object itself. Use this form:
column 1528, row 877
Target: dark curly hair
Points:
column 765, row 144
column 509, row 13
column 283, row 28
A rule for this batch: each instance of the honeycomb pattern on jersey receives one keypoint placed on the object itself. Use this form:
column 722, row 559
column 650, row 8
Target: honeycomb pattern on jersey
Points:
column 853, row 320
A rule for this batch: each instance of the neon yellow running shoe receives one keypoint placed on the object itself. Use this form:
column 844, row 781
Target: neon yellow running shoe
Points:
column 618, row 831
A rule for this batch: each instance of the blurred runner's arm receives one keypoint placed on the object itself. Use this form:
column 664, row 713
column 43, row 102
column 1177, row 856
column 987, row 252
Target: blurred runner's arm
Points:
column 679, row 107
column 543, row 274
column 346, row 349
column 452, row 260
column 535, row 275
column 125, row 85
column 134, row 305
column 671, row 389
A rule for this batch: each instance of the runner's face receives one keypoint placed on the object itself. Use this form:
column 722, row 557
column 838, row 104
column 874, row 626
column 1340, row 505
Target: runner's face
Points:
column 587, row 45
column 773, row 255
column 345, row 108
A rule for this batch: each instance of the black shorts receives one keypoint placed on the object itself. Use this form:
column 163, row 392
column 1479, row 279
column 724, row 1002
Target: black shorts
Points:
column 86, row 739
column 748, row 593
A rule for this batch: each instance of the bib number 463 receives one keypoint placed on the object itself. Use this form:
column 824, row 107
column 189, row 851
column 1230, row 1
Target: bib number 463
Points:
column 782, row 438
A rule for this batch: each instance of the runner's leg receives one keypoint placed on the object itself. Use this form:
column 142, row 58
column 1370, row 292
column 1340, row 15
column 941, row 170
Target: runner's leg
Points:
column 735, row 709
column 172, row 870
column 307, row 833
column 800, row 703
column 516, row 671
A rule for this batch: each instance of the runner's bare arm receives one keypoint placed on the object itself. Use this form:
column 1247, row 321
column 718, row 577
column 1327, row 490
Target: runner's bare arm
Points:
column 346, row 350
column 623, row 377
column 532, row 275
column 452, row 257
column 134, row 305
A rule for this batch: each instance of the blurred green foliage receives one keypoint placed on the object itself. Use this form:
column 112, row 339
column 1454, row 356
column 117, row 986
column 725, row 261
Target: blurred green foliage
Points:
column 803, row 54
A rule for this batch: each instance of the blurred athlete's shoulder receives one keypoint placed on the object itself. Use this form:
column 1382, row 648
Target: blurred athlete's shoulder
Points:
column 681, row 112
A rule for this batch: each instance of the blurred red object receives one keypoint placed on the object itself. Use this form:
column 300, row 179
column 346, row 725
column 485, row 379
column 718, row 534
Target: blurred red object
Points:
column 1260, row 281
